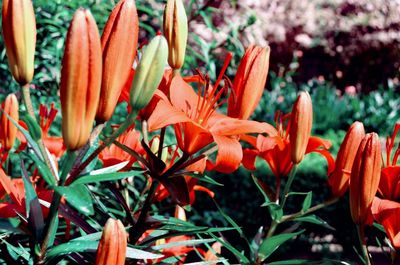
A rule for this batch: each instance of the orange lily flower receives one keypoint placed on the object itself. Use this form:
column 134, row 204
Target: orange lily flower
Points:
column 389, row 186
column 387, row 213
column 8, row 131
column 54, row 144
column 301, row 123
column 197, row 124
column 113, row 244
column 275, row 150
column 118, row 42
column 249, row 82
column 19, row 33
column 80, row 79
column 339, row 180
column 113, row 155
column 364, row 179
column 14, row 188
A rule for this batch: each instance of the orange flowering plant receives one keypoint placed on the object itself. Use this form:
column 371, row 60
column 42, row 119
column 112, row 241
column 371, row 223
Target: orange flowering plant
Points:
column 122, row 193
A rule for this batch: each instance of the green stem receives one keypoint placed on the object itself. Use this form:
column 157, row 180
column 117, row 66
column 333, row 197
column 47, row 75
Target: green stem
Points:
column 310, row 210
column 29, row 107
column 107, row 142
column 53, row 212
column 288, row 185
column 272, row 228
column 136, row 231
column 360, row 232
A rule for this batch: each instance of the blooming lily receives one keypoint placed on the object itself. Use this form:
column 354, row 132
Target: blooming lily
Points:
column 275, row 150
column 197, row 123
column 387, row 213
column 389, row 186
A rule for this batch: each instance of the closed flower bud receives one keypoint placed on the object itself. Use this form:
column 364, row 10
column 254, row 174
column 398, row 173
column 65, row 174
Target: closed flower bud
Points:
column 300, row 126
column 364, row 179
column 339, row 180
column 249, row 82
column 8, row 131
column 176, row 32
column 80, row 79
column 19, row 32
column 119, row 43
column 112, row 245
column 149, row 73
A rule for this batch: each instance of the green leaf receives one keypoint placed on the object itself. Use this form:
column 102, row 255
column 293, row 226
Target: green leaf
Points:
column 110, row 169
column 79, row 198
column 133, row 253
column 43, row 169
column 71, row 247
column 243, row 259
column 269, row 245
column 290, row 262
column 103, row 177
column 314, row 220
column 307, row 202
column 192, row 242
column 275, row 210
column 32, row 205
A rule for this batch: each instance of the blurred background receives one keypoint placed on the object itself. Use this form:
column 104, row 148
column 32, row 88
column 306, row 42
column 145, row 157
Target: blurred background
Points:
column 346, row 53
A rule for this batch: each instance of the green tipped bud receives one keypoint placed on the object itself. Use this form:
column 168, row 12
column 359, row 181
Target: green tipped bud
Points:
column 176, row 32
column 149, row 73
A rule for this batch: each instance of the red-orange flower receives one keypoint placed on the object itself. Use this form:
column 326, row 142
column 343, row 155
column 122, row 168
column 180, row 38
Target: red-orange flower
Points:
column 113, row 244
column 197, row 124
column 276, row 150
column 339, row 180
column 387, row 213
column 389, row 186
column 19, row 33
column 113, row 155
column 119, row 42
column 80, row 79
column 300, row 128
column 249, row 82
column 364, row 179
column 8, row 131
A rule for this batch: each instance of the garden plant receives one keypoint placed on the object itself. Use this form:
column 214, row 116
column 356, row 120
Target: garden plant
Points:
column 114, row 178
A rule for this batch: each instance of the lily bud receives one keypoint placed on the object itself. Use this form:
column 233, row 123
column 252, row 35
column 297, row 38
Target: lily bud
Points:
column 80, row 79
column 119, row 43
column 300, row 126
column 364, row 179
column 19, row 32
column 180, row 213
column 249, row 82
column 149, row 72
column 176, row 32
column 8, row 131
column 112, row 245
column 339, row 180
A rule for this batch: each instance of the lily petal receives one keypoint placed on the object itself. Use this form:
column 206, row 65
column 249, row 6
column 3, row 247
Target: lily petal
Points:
column 229, row 154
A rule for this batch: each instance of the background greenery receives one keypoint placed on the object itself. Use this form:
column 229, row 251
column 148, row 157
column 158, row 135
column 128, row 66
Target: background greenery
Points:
column 334, row 111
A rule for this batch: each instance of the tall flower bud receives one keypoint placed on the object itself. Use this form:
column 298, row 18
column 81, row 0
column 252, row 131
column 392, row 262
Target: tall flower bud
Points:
column 19, row 32
column 119, row 43
column 339, row 180
column 249, row 82
column 300, row 126
column 8, row 131
column 176, row 32
column 364, row 179
column 80, row 79
column 112, row 245
column 149, row 72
